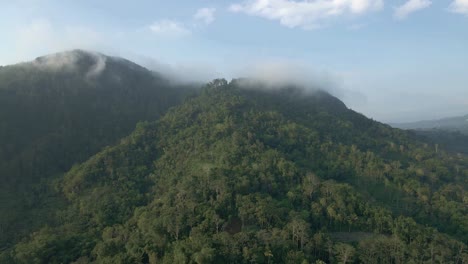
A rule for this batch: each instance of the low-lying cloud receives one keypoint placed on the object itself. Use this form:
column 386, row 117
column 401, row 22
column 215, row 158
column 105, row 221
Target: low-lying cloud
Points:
column 70, row 60
column 271, row 73
column 276, row 74
column 183, row 73
column 98, row 67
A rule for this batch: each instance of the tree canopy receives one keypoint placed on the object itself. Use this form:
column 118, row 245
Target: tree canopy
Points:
column 240, row 174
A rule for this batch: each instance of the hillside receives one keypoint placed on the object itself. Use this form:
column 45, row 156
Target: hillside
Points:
column 245, row 174
column 453, row 141
column 57, row 111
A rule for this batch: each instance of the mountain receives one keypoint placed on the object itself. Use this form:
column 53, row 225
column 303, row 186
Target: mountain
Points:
column 449, row 133
column 459, row 123
column 57, row 111
column 453, row 141
column 240, row 173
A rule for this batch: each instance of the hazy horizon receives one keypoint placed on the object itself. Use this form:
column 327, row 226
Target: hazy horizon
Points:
column 394, row 61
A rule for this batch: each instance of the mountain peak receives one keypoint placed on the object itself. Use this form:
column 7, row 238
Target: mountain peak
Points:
column 67, row 57
column 90, row 63
column 93, row 62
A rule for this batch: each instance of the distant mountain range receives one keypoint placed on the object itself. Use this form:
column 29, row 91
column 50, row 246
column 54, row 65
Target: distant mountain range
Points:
column 450, row 133
column 459, row 123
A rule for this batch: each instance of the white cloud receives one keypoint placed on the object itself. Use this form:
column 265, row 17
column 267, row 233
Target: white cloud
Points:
column 276, row 73
column 169, row 28
column 207, row 15
column 306, row 14
column 409, row 7
column 459, row 6
column 181, row 72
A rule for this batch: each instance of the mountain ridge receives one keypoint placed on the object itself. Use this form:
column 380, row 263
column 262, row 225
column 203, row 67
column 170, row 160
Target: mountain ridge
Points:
column 231, row 173
column 235, row 175
column 52, row 118
column 448, row 123
column 450, row 133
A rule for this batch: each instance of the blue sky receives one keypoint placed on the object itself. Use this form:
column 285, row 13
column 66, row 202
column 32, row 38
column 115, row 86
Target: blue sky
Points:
column 399, row 60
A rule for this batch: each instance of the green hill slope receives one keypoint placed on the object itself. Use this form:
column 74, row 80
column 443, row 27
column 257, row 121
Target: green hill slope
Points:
column 241, row 175
column 59, row 110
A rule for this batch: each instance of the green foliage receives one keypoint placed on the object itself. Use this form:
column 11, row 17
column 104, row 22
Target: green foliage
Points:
column 453, row 141
column 237, row 175
column 53, row 118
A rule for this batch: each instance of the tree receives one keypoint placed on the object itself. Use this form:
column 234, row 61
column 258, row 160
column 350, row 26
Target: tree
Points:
column 344, row 253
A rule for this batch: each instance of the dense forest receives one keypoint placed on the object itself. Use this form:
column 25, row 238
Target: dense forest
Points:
column 236, row 173
column 453, row 141
column 57, row 111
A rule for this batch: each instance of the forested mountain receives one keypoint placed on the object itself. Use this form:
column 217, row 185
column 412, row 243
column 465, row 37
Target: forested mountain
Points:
column 453, row 141
column 244, row 174
column 59, row 110
column 459, row 123
column 450, row 133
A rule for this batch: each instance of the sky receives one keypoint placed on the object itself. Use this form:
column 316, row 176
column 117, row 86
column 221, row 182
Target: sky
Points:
column 394, row 61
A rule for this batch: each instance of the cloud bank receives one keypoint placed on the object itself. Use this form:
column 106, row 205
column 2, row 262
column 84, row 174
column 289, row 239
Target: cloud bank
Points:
column 459, row 6
column 183, row 73
column 305, row 14
column 277, row 74
column 410, row 7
